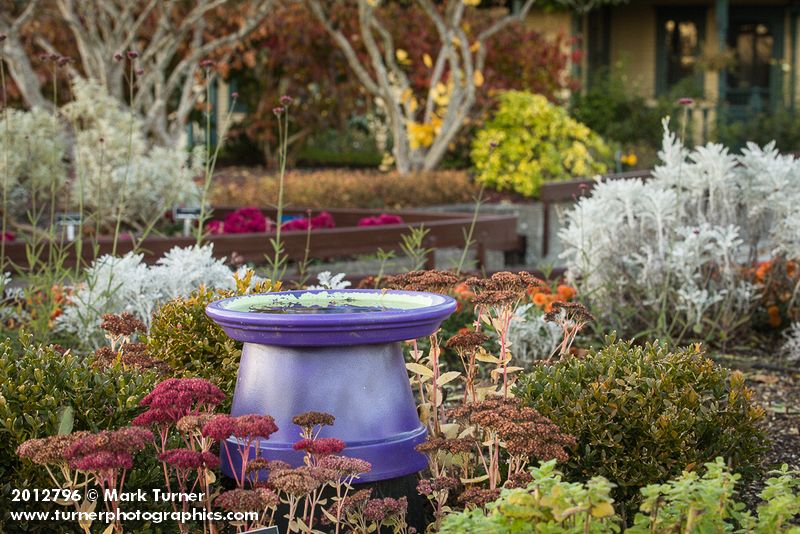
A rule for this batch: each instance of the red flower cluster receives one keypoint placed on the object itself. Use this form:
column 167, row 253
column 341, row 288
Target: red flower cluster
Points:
column 188, row 459
column 175, row 398
column 320, row 446
column 323, row 220
column 108, row 450
column 246, row 221
column 246, row 427
column 380, row 220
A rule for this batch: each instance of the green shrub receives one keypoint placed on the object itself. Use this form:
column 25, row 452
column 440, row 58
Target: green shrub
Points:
column 619, row 114
column 38, row 382
column 688, row 503
column 548, row 504
column 643, row 414
column 782, row 127
column 182, row 336
column 536, row 141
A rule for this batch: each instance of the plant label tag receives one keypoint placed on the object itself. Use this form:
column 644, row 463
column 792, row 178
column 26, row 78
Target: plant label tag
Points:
column 181, row 214
column 69, row 220
column 266, row 530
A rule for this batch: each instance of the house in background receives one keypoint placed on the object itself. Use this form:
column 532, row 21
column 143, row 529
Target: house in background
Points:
column 737, row 58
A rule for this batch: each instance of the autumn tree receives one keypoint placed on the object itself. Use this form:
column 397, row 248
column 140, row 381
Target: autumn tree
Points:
column 167, row 39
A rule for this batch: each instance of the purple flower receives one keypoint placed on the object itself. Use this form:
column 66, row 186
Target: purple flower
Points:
column 2, row 37
column 686, row 101
column 286, row 100
column 207, row 63
column 132, row 54
column 277, row 110
column 118, row 56
column 234, row 95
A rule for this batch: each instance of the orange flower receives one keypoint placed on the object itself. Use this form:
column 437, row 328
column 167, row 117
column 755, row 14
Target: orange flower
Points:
column 791, row 269
column 464, row 330
column 762, row 270
column 774, row 316
column 549, row 306
column 540, row 299
column 565, row 292
column 463, row 292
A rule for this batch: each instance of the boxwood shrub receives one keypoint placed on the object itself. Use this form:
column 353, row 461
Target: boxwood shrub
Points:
column 643, row 414
column 38, row 383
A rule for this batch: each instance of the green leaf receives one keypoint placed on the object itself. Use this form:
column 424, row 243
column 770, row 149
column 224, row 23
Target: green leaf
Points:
column 66, row 420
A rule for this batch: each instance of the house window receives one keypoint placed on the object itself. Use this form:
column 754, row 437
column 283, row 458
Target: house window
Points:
column 680, row 36
column 755, row 37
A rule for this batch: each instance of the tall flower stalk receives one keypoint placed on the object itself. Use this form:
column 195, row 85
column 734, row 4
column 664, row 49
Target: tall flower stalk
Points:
column 277, row 262
column 211, row 159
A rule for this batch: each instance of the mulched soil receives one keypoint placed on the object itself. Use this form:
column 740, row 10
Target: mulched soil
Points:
column 778, row 391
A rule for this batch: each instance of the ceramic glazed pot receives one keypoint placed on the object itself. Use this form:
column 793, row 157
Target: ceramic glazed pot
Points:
column 339, row 352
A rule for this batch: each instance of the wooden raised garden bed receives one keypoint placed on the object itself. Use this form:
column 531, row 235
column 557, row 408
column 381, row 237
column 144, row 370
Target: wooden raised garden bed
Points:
column 492, row 232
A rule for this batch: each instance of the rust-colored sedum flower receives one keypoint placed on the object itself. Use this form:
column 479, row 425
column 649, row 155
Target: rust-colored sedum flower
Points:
column 466, row 341
column 432, row 281
column 382, row 509
column 429, row 486
column 526, row 433
column 50, row 450
column 503, row 288
column 478, row 497
column 345, row 466
column 189, row 424
column 296, row 482
column 312, row 419
column 124, row 324
column 241, row 500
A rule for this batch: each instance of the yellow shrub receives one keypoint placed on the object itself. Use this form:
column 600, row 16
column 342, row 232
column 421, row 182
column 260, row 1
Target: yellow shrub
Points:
column 529, row 141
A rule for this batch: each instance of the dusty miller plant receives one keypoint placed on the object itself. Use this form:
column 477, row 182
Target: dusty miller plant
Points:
column 664, row 257
column 119, row 284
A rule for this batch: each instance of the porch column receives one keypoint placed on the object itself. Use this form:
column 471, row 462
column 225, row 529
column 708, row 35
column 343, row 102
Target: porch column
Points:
column 721, row 13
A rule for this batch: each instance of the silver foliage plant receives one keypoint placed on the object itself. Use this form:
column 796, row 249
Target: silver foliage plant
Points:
column 117, row 172
column 664, row 256
column 791, row 345
column 531, row 337
column 118, row 284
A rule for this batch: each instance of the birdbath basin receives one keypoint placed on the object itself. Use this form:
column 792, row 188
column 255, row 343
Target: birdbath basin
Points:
column 334, row 351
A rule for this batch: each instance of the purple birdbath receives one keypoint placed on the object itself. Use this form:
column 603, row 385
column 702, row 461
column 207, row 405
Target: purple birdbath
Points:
column 334, row 351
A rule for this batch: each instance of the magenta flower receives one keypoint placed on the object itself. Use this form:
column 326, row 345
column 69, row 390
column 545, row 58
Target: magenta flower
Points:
column 286, row 100
column 380, row 220
column 215, row 227
column 7, row 236
column 323, row 220
column 246, row 221
column 686, row 101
